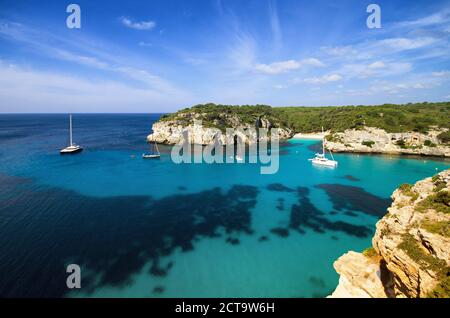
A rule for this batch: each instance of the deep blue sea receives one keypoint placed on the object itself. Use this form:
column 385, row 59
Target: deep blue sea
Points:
column 152, row 228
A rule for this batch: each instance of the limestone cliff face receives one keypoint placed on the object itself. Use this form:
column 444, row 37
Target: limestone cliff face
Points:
column 411, row 247
column 171, row 132
column 375, row 140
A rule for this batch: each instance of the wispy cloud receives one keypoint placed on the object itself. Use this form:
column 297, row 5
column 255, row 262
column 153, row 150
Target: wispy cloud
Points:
column 323, row 79
column 441, row 74
column 429, row 20
column 275, row 24
column 140, row 25
column 402, row 44
column 145, row 44
column 26, row 89
column 375, row 69
column 286, row 66
column 101, row 62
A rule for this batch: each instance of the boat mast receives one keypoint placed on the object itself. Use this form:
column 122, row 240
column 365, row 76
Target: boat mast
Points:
column 323, row 144
column 71, row 143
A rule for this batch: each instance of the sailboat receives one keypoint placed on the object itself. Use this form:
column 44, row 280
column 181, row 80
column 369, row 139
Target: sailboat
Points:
column 322, row 160
column 152, row 155
column 72, row 148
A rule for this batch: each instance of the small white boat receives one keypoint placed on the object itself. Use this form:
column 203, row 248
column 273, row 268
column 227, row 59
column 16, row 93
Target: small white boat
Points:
column 322, row 160
column 72, row 148
column 239, row 158
column 153, row 154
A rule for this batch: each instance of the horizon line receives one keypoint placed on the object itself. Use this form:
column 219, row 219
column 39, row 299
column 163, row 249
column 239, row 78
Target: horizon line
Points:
column 233, row 105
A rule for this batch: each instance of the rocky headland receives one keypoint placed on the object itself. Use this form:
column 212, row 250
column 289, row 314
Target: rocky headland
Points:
column 206, row 124
column 410, row 253
column 414, row 129
column 376, row 140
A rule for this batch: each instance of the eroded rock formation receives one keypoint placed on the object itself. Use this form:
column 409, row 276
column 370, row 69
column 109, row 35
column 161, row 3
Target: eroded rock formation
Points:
column 411, row 247
column 375, row 140
column 173, row 132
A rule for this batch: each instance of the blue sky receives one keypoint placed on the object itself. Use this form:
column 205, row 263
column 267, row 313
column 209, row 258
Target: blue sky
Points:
column 163, row 55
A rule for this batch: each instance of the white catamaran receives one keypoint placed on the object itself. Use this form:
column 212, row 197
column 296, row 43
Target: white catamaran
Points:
column 320, row 158
column 72, row 148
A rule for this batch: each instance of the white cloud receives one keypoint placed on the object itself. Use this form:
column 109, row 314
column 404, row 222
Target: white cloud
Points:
column 339, row 50
column 313, row 62
column 145, row 44
column 278, row 67
column 377, row 64
column 402, row 44
column 324, row 79
column 433, row 19
column 286, row 66
column 119, row 68
column 351, row 52
column 28, row 90
column 441, row 74
column 142, row 25
column 375, row 69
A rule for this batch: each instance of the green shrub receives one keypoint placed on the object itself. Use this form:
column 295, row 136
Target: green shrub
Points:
column 442, row 289
column 437, row 227
column 428, row 143
column 370, row 252
column 426, row 261
column 333, row 138
column 401, row 143
column 439, row 201
column 439, row 184
column 407, row 189
column 368, row 143
column 444, row 136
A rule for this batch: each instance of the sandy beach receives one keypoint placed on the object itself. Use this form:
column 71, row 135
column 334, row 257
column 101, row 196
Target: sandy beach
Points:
column 318, row 135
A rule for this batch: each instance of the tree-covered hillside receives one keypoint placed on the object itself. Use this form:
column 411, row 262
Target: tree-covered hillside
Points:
column 393, row 118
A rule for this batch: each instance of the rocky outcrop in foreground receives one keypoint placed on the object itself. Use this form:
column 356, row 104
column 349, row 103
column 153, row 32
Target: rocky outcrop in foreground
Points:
column 375, row 140
column 410, row 256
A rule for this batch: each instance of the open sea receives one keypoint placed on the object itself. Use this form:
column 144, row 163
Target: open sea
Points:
column 153, row 228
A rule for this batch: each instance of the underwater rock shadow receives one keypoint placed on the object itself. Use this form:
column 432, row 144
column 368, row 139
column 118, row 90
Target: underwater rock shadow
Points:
column 305, row 215
column 110, row 238
column 350, row 178
column 278, row 187
column 351, row 198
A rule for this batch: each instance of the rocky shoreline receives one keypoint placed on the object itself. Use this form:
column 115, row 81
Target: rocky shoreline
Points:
column 375, row 140
column 366, row 140
column 410, row 256
column 172, row 132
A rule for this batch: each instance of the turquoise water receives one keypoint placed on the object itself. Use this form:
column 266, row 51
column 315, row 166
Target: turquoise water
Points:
column 151, row 228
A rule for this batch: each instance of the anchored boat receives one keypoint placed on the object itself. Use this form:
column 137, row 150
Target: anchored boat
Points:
column 72, row 148
column 322, row 160
column 152, row 154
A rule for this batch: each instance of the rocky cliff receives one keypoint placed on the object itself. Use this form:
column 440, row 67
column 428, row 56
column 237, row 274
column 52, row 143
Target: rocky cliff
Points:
column 203, row 128
column 375, row 140
column 410, row 256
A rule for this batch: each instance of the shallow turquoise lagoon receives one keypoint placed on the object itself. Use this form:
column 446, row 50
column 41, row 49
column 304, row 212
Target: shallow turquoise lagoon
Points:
column 145, row 228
